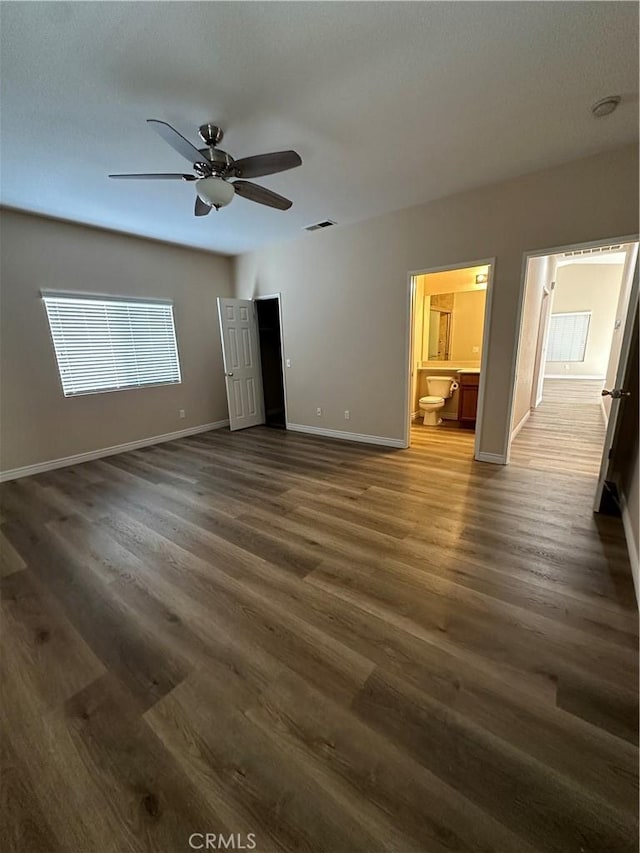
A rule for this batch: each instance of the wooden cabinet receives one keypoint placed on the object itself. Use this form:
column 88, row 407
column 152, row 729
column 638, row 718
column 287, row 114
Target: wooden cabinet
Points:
column 468, row 398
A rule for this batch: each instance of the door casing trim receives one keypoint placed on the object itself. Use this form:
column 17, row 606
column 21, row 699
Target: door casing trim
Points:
column 526, row 256
column 486, row 329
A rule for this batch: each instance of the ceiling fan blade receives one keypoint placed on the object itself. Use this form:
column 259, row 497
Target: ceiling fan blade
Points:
column 266, row 164
column 253, row 192
column 177, row 141
column 201, row 208
column 161, row 176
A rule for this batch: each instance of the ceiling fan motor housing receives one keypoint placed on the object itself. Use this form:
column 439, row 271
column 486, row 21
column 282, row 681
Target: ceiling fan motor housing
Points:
column 219, row 161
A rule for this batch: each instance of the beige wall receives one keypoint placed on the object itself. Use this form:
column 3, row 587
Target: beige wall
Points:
column 344, row 290
column 539, row 272
column 37, row 423
column 453, row 281
column 467, row 324
column 588, row 287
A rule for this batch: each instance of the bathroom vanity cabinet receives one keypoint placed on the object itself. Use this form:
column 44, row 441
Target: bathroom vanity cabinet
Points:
column 468, row 398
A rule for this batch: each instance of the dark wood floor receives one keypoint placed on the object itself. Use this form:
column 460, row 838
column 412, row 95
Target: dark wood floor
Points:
column 333, row 646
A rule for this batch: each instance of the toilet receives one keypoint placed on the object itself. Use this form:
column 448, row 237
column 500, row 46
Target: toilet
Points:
column 439, row 388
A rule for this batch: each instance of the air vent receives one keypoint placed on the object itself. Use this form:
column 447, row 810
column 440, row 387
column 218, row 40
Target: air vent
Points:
column 326, row 223
column 594, row 251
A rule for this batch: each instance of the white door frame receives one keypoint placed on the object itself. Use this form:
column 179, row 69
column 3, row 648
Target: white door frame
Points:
column 538, row 253
column 544, row 324
column 491, row 263
column 278, row 296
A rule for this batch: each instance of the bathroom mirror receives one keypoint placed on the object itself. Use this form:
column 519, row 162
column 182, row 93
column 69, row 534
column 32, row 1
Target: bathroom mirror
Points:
column 440, row 317
column 453, row 326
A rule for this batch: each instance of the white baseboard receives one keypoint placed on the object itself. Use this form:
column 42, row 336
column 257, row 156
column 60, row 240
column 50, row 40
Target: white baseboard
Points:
column 570, row 376
column 493, row 458
column 605, row 416
column 632, row 546
column 347, row 436
column 522, row 422
column 65, row 461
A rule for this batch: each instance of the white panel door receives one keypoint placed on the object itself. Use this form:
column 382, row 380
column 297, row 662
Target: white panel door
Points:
column 618, row 393
column 241, row 355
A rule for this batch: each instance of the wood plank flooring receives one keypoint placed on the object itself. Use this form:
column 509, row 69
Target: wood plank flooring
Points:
column 566, row 432
column 332, row 646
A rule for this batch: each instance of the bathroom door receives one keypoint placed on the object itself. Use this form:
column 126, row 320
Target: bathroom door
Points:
column 241, row 357
column 620, row 394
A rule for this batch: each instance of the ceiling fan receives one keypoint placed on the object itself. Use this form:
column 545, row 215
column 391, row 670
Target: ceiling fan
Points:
column 213, row 168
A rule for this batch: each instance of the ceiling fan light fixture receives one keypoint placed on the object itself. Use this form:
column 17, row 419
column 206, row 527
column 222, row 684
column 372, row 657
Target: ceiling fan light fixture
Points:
column 212, row 166
column 215, row 191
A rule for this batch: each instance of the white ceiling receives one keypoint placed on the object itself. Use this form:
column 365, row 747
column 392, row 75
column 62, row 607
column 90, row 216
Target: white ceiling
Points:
column 390, row 104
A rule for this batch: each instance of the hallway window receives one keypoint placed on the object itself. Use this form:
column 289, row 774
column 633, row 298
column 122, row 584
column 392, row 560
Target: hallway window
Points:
column 568, row 335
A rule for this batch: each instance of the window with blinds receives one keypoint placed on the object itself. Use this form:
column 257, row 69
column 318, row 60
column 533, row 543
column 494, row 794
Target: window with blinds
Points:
column 568, row 335
column 105, row 344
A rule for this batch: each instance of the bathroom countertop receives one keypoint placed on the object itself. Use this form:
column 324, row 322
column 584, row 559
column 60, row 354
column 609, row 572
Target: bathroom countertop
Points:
column 448, row 368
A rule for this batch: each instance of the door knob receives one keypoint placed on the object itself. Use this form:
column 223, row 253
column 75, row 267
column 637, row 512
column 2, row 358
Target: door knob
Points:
column 616, row 393
column 229, row 374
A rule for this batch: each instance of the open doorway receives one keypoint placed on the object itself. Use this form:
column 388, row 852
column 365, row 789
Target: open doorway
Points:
column 575, row 307
column 270, row 339
column 252, row 355
column 449, row 307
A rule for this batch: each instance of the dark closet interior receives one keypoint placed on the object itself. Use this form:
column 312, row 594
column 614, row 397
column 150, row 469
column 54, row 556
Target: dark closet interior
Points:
column 271, row 359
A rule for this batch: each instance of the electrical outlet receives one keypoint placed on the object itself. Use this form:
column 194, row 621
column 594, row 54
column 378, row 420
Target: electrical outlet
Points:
column 319, row 412
column 476, row 349
column 182, row 413
column 347, row 414
column 288, row 362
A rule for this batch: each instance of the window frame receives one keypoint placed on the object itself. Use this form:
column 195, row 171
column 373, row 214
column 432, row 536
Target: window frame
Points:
column 90, row 296
column 586, row 314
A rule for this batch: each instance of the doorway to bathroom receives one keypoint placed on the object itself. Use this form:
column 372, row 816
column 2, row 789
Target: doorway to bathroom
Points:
column 575, row 350
column 449, row 307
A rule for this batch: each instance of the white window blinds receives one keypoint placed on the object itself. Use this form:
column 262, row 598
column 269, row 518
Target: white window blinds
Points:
column 568, row 336
column 104, row 344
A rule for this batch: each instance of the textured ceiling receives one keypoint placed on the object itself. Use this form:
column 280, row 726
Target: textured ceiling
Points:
column 389, row 104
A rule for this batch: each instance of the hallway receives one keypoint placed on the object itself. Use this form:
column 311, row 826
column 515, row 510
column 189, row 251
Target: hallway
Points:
column 566, row 431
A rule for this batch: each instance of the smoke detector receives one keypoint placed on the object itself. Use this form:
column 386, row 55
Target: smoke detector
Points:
column 605, row 106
